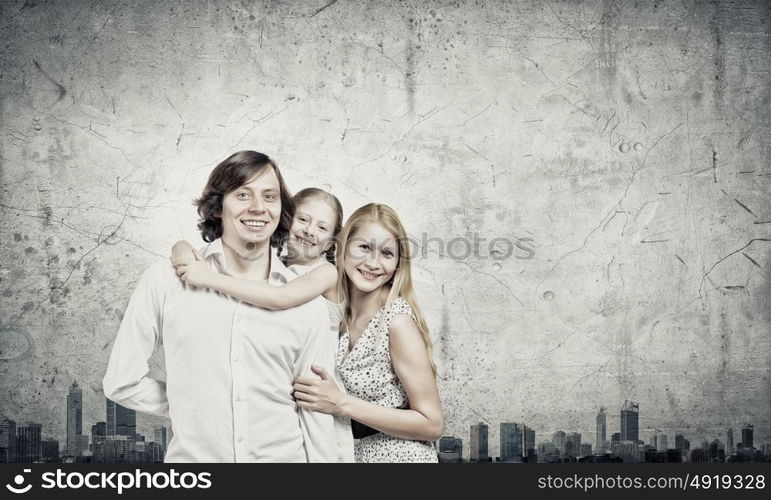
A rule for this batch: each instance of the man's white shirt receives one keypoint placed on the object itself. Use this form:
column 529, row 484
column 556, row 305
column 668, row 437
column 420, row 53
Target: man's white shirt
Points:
column 229, row 369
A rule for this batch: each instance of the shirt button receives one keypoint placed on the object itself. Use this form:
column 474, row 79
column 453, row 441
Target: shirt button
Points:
column 240, row 439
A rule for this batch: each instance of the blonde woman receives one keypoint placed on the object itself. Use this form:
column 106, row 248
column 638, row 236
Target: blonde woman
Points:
column 384, row 354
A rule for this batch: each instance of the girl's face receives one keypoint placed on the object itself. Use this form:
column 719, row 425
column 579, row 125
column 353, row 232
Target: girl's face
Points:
column 311, row 232
column 371, row 257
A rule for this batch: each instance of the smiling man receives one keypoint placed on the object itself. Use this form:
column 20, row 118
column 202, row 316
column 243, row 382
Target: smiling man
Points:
column 229, row 366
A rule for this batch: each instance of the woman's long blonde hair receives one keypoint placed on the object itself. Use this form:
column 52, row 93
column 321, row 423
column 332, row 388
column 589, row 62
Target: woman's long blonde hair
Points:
column 401, row 282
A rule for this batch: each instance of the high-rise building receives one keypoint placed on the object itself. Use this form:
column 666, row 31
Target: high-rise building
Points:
column 628, row 451
column 450, row 449
column 729, row 442
column 98, row 437
column 573, row 444
column 683, row 445
column 700, row 456
column 716, row 451
column 98, row 430
column 547, row 453
column 747, row 437
column 586, row 450
column 511, row 438
column 160, row 436
column 28, row 443
column 630, row 421
column 600, row 441
column 110, row 412
column 83, row 443
column 74, row 420
column 50, row 450
column 558, row 438
column 7, row 441
column 121, row 421
column 155, row 452
column 528, row 444
column 659, row 440
column 119, row 449
column 479, row 451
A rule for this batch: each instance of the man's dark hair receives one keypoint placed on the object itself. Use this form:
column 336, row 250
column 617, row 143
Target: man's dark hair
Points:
column 229, row 175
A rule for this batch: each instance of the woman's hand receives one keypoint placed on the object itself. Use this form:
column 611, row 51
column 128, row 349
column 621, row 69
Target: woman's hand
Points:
column 319, row 394
column 195, row 273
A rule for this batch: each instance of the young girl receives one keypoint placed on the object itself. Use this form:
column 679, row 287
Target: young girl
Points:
column 384, row 354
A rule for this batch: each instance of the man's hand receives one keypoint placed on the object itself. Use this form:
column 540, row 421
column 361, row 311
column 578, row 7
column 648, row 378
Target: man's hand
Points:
column 321, row 394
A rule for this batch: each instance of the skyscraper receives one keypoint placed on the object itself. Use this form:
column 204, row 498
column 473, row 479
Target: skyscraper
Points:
column 28, row 443
column 511, row 442
column 630, row 421
column 558, row 438
column 50, row 450
column 729, row 442
column 121, row 421
column 74, row 420
column 661, row 441
column 573, row 444
column 98, row 437
column 716, row 451
column 160, row 436
column 602, row 429
column 528, row 444
column 683, row 445
column 747, row 438
column 7, row 441
column 478, row 450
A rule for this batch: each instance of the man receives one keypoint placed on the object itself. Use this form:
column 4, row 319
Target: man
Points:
column 229, row 366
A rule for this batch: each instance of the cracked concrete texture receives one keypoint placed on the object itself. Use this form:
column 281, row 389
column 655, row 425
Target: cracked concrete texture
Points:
column 623, row 145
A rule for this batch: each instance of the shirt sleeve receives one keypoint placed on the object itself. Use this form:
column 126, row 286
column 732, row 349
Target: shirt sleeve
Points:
column 318, row 428
column 126, row 381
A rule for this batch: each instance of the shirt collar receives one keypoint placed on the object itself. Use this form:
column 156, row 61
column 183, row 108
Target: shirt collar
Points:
column 215, row 252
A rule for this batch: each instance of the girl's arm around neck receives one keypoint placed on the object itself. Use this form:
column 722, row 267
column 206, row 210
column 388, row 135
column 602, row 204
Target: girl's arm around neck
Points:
column 298, row 291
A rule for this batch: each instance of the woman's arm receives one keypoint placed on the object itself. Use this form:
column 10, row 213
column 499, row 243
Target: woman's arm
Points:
column 422, row 421
column 298, row 291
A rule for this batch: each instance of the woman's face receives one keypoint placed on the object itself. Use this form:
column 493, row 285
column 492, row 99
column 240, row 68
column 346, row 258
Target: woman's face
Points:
column 371, row 257
column 311, row 232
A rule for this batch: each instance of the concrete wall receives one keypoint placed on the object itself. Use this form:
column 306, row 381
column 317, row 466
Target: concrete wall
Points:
column 623, row 145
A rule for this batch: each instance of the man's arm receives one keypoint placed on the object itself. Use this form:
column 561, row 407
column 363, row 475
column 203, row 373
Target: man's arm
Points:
column 126, row 381
column 318, row 428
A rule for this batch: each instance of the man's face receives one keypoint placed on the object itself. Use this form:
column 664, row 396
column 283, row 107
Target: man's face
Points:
column 251, row 213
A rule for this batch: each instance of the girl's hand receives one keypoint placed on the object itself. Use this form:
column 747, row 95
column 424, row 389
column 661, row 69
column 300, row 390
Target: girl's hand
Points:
column 195, row 273
column 320, row 395
column 183, row 253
